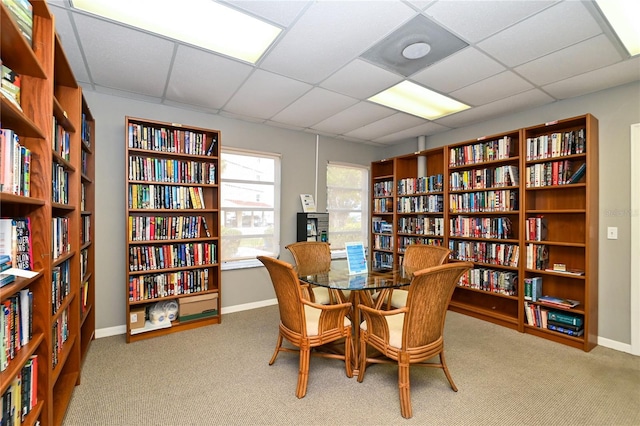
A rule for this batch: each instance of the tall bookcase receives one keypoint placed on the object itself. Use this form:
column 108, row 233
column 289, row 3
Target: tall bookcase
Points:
column 49, row 124
column 484, row 224
column 495, row 188
column 173, row 227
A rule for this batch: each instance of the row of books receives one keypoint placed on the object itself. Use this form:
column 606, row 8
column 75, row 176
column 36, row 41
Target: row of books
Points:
column 381, row 226
column 171, row 170
column 383, row 189
column 158, row 228
column 22, row 13
column 15, row 325
column 491, row 280
column 143, row 196
column 502, row 254
column 536, row 228
column 404, row 241
column 22, row 394
column 15, row 164
column 15, row 241
column 383, row 205
column 85, row 131
column 60, row 285
column 481, row 227
column 537, row 256
column 382, row 260
column 60, row 184
column 84, row 162
column 421, row 225
column 484, row 201
column 383, row 242
column 542, row 317
column 59, row 335
column 60, row 243
column 84, row 296
column 147, row 258
column 84, row 262
column 10, row 86
column 61, row 141
column 497, row 177
column 170, row 140
column 421, row 204
column 153, row 286
column 554, row 173
column 410, row 186
column 480, row 152
column 556, row 145
column 85, row 230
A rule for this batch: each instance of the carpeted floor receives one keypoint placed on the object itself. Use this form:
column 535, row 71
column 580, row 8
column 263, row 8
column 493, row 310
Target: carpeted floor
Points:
column 219, row 375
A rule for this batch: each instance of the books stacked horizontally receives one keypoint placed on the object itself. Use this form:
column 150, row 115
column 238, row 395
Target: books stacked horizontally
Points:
column 22, row 13
column 566, row 323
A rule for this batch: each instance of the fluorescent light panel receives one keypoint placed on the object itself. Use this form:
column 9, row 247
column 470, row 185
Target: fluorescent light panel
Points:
column 202, row 23
column 623, row 16
column 417, row 100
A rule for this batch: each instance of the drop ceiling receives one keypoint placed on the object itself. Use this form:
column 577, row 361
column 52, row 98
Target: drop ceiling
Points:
column 317, row 77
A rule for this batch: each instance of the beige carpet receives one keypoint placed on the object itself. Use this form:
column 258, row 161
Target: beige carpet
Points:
column 219, row 375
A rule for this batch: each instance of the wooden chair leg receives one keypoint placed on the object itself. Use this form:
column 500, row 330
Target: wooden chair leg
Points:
column 363, row 359
column 446, row 372
column 404, row 389
column 278, row 345
column 348, row 354
column 303, row 372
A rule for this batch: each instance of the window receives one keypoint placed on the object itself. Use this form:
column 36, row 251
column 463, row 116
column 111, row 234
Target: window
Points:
column 250, row 196
column 347, row 204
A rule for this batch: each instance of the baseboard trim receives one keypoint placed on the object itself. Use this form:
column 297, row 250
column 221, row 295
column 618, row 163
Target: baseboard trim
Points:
column 612, row 344
column 122, row 329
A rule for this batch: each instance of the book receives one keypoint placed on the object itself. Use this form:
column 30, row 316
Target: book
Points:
column 566, row 331
column 566, row 271
column 564, row 318
column 566, row 326
column 558, row 302
column 575, row 178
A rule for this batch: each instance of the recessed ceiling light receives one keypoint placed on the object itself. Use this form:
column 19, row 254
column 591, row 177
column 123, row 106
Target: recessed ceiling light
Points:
column 416, row 50
column 417, row 100
column 623, row 18
column 202, row 23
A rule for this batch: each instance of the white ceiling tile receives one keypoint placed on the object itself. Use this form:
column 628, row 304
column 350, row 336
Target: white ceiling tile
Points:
column 204, row 79
column 282, row 13
column 70, row 45
column 361, row 79
column 614, row 75
column 353, row 117
column 493, row 88
column 325, row 37
column 454, row 72
column 519, row 102
column 573, row 60
column 386, row 126
column 476, row 20
column 313, row 107
column 426, row 129
column 264, row 94
column 552, row 29
column 141, row 60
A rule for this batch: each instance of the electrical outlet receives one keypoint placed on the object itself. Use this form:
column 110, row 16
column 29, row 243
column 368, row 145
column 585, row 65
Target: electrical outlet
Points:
column 612, row 233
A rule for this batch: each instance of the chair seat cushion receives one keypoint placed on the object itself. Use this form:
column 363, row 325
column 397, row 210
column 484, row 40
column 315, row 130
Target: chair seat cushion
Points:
column 395, row 324
column 399, row 298
column 313, row 319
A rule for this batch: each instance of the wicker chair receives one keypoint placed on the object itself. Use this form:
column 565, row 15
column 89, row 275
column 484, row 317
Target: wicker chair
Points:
column 417, row 256
column 412, row 334
column 305, row 324
column 313, row 257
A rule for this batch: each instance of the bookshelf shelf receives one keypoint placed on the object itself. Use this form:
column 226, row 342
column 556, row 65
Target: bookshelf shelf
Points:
column 503, row 168
column 173, row 215
column 48, row 90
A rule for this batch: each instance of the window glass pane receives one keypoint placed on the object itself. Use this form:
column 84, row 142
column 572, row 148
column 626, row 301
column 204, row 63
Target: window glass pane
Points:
column 247, row 168
column 347, row 203
column 236, row 194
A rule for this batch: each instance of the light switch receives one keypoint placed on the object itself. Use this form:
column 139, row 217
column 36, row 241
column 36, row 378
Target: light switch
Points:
column 612, row 233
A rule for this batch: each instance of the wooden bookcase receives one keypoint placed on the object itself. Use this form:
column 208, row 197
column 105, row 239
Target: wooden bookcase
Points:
column 487, row 205
column 571, row 214
column 484, row 218
column 173, row 224
column 60, row 332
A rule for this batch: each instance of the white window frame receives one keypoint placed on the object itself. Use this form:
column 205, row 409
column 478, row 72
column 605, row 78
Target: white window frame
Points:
column 364, row 211
column 277, row 184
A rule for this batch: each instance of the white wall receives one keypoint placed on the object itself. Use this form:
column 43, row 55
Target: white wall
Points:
column 616, row 109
